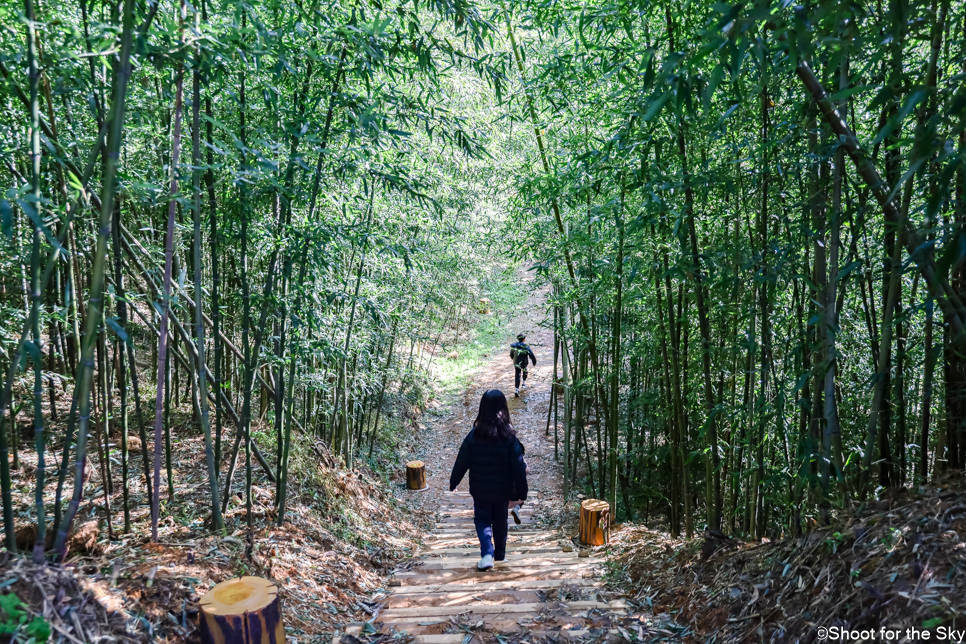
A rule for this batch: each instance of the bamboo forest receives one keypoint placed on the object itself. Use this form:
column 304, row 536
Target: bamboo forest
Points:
column 260, row 259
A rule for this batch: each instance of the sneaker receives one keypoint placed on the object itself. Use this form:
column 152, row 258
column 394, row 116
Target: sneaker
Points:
column 516, row 394
column 485, row 563
column 515, row 511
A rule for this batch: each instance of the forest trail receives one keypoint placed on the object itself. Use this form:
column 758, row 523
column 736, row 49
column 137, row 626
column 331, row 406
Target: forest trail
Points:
column 545, row 586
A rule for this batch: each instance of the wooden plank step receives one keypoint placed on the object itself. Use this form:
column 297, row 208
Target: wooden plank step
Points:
column 468, row 519
column 466, row 502
column 467, row 598
column 512, row 556
column 448, row 563
column 474, row 551
column 516, row 535
column 471, row 530
column 396, row 614
column 529, row 584
column 531, row 494
column 468, row 574
column 466, row 533
column 467, row 513
column 446, row 544
column 457, row 638
column 473, row 544
column 470, row 526
column 512, row 537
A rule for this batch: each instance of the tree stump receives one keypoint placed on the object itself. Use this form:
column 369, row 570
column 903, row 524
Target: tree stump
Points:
column 242, row 611
column 594, row 522
column 416, row 475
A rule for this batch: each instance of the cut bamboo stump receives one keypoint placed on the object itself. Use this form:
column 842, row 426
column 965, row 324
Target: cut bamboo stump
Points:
column 594, row 522
column 416, row 475
column 242, row 611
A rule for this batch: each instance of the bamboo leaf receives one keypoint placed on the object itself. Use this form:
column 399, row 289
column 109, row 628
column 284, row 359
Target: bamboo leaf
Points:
column 118, row 329
column 6, row 219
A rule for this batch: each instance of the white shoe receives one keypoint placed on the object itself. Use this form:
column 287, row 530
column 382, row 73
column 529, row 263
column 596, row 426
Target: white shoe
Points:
column 485, row 563
column 515, row 511
column 517, row 393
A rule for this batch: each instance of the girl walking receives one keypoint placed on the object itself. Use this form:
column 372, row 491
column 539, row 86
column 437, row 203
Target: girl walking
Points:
column 498, row 475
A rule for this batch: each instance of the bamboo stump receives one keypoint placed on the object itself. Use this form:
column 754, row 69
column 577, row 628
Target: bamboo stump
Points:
column 594, row 522
column 416, row 475
column 242, row 611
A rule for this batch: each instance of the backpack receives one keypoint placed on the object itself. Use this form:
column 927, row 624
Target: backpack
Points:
column 513, row 484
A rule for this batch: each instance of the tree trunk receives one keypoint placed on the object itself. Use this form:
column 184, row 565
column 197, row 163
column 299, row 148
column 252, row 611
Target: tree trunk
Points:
column 594, row 529
column 239, row 611
column 415, row 475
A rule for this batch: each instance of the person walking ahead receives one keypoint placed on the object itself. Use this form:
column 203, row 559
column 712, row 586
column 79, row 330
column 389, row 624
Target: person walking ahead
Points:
column 521, row 354
column 498, row 474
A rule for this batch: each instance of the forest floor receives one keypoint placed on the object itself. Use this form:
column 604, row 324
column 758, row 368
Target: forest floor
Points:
column 897, row 562
column 343, row 533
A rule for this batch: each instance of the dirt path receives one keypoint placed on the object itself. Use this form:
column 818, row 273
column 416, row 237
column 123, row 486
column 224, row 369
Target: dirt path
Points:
column 545, row 587
column 529, row 412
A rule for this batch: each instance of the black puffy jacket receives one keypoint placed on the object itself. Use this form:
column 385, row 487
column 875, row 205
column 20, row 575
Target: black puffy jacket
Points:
column 497, row 469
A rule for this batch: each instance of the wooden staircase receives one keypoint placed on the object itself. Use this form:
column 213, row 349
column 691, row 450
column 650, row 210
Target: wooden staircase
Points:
column 543, row 587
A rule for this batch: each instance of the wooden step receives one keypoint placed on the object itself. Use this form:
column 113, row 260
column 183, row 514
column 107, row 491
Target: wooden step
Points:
column 517, row 536
column 471, row 575
column 531, row 494
column 471, row 530
column 468, row 598
column 512, row 556
column 469, row 525
column 472, row 545
column 458, row 638
column 463, row 511
column 468, row 519
column 530, row 584
column 397, row 614
column 474, row 551
column 538, row 559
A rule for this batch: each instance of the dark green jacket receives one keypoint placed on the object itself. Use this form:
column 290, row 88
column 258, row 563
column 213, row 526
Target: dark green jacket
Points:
column 520, row 353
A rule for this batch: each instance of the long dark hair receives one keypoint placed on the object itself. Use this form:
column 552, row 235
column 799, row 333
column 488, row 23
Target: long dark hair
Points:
column 493, row 420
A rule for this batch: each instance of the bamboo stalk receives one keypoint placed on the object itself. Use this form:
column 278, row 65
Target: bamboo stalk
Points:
column 35, row 348
column 217, row 521
column 95, row 312
column 166, row 298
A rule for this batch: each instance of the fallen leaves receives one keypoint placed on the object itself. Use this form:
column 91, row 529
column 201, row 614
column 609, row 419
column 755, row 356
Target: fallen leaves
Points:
column 897, row 562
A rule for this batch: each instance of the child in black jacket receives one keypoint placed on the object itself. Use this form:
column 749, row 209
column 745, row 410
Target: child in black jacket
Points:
column 498, row 474
column 522, row 355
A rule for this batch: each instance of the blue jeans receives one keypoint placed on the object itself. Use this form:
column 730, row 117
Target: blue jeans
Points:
column 491, row 527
